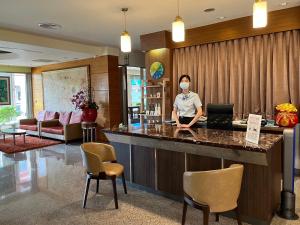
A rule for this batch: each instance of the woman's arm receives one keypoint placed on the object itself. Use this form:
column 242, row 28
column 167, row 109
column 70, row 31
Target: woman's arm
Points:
column 197, row 116
column 174, row 115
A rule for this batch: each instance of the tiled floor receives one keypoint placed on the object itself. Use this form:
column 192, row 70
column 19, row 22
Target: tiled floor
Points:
column 45, row 186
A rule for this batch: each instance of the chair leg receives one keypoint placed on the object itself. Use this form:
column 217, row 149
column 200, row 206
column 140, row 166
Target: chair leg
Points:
column 88, row 179
column 184, row 212
column 205, row 216
column 113, row 178
column 98, row 181
column 238, row 218
column 124, row 183
column 217, row 217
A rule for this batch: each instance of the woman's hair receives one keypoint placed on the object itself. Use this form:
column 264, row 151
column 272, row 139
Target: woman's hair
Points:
column 184, row 76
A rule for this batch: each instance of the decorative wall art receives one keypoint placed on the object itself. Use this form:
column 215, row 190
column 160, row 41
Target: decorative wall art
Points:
column 5, row 91
column 60, row 85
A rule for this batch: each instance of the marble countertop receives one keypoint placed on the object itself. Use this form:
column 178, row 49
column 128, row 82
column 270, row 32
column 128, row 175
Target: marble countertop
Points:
column 202, row 136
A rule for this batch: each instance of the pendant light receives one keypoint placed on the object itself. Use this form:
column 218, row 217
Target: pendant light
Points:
column 260, row 13
column 178, row 31
column 125, row 37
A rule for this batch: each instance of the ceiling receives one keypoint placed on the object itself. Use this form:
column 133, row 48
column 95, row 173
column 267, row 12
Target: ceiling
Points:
column 99, row 23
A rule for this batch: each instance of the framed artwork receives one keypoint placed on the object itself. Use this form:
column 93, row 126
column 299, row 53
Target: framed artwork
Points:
column 5, row 91
column 156, row 70
column 60, row 85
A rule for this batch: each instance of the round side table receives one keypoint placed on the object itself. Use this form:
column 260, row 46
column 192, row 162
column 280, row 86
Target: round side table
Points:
column 89, row 131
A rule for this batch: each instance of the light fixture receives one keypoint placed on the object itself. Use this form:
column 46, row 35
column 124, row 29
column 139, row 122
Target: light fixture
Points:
column 260, row 13
column 50, row 26
column 125, row 37
column 221, row 17
column 178, row 31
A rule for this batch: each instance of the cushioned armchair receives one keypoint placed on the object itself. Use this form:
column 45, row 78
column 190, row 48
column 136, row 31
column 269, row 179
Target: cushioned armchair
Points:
column 213, row 191
column 101, row 163
column 66, row 128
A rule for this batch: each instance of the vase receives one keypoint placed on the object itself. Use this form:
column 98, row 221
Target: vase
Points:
column 89, row 115
column 286, row 119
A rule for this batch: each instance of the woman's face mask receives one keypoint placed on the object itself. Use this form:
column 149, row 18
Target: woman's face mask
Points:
column 184, row 85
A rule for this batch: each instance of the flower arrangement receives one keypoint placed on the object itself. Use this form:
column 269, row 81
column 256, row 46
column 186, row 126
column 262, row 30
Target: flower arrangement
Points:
column 82, row 101
column 286, row 115
column 286, row 107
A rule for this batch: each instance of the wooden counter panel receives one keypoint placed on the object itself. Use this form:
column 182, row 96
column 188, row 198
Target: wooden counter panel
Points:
column 170, row 169
column 261, row 187
column 143, row 166
column 202, row 163
column 123, row 157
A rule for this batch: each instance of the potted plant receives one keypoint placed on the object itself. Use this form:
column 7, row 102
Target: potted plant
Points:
column 89, row 108
column 286, row 115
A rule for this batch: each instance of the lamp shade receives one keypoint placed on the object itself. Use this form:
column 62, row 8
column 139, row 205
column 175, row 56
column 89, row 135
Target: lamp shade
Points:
column 178, row 31
column 260, row 14
column 125, row 42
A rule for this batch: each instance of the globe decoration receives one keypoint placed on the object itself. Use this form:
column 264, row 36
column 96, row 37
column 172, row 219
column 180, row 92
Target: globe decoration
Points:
column 156, row 70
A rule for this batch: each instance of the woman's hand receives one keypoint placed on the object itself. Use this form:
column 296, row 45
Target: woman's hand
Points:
column 185, row 125
column 179, row 124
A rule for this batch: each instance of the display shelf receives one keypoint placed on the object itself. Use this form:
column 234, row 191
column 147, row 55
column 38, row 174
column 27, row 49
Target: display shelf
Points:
column 154, row 104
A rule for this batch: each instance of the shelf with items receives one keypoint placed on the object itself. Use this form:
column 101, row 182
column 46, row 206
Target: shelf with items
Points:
column 154, row 100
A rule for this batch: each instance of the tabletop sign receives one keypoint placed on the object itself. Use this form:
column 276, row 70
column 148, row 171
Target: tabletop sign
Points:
column 253, row 128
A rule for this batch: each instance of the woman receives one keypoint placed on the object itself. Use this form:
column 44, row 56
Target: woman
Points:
column 187, row 104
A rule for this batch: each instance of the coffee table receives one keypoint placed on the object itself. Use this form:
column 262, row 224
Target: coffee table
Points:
column 13, row 132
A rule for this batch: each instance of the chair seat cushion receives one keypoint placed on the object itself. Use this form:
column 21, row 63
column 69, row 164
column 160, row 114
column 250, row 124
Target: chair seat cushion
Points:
column 53, row 130
column 29, row 127
column 113, row 169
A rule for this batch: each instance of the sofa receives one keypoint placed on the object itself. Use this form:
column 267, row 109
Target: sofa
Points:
column 32, row 126
column 66, row 128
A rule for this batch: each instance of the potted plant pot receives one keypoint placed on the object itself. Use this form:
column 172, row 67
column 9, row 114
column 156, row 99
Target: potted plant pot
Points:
column 89, row 115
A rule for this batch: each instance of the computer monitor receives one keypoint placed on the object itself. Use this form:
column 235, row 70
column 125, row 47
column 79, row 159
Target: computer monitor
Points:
column 219, row 116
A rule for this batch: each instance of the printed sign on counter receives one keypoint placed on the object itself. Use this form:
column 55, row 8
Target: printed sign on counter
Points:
column 253, row 128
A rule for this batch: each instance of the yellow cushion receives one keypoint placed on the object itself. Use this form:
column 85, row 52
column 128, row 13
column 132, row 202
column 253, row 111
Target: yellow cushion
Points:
column 113, row 169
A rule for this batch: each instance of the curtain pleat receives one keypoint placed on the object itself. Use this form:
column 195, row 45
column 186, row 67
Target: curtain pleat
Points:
column 254, row 73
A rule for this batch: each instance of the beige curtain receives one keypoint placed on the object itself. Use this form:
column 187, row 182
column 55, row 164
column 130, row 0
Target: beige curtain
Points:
column 254, row 73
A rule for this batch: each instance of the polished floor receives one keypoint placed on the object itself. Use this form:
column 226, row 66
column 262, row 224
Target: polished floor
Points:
column 45, row 186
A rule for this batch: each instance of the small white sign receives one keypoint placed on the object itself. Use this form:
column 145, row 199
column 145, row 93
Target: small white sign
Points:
column 253, row 128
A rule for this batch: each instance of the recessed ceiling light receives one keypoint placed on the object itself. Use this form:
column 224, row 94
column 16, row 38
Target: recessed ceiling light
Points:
column 283, row 3
column 4, row 52
column 50, row 26
column 221, row 17
column 209, row 10
column 44, row 60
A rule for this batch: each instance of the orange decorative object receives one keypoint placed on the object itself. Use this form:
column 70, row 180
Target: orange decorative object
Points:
column 286, row 119
column 286, row 115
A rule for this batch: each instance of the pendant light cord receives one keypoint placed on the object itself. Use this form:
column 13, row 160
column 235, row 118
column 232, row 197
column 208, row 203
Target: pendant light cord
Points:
column 177, row 7
column 125, row 25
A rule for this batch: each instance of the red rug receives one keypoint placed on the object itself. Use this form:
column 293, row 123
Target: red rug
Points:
column 30, row 143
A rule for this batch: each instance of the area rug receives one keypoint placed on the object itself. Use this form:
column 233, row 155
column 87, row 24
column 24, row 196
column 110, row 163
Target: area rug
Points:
column 30, row 143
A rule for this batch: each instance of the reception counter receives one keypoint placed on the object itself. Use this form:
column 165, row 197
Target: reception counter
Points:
column 156, row 156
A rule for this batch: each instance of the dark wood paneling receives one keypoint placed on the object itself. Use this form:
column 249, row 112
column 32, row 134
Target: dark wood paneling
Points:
column 143, row 165
column 170, row 169
column 161, row 39
column 115, row 92
column 280, row 20
column 261, row 187
column 202, row 163
column 123, row 157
